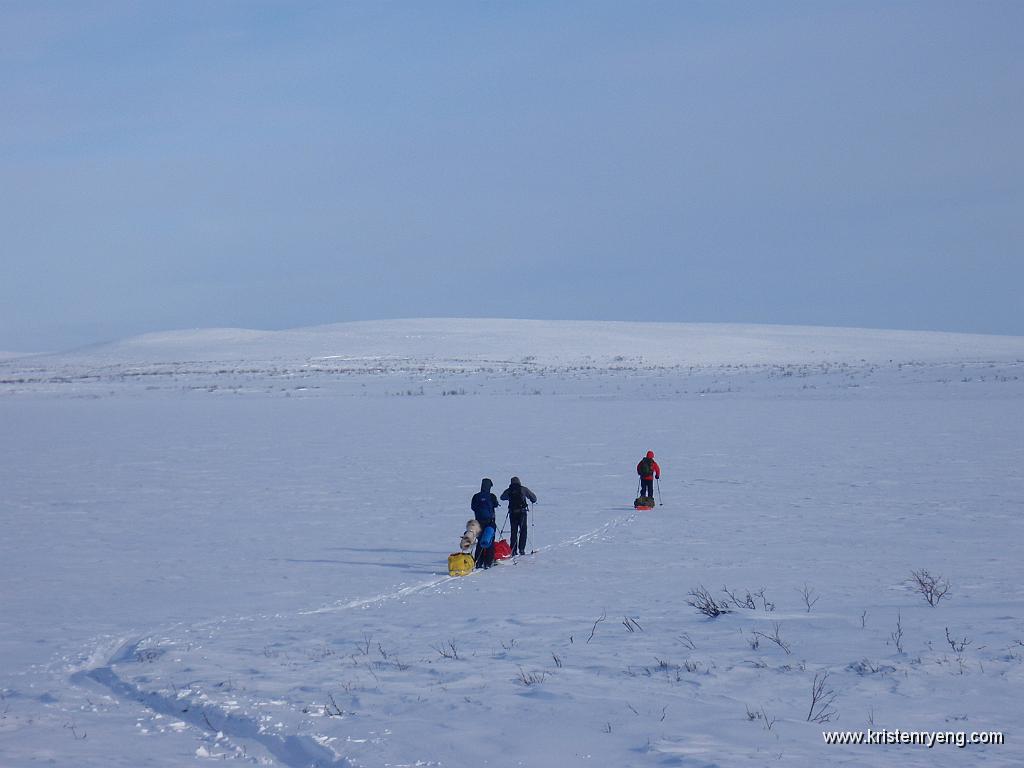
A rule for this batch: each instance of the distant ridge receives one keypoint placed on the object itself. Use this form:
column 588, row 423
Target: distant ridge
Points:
column 551, row 342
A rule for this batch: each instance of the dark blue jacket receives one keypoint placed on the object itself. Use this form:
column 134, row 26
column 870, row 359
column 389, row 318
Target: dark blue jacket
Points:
column 484, row 503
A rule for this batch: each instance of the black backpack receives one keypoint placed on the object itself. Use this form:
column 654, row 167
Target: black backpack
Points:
column 646, row 467
column 516, row 497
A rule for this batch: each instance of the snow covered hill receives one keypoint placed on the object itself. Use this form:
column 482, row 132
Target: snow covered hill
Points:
column 553, row 343
column 231, row 545
column 443, row 355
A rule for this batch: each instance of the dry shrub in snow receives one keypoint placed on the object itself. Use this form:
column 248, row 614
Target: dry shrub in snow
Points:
column 705, row 602
column 932, row 588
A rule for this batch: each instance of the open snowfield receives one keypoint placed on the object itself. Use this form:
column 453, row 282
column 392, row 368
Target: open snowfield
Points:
column 231, row 545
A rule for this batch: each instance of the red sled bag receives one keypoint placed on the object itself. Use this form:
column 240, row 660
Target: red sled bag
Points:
column 502, row 551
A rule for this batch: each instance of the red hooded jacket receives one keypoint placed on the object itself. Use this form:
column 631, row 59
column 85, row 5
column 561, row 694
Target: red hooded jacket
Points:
column 654, row 466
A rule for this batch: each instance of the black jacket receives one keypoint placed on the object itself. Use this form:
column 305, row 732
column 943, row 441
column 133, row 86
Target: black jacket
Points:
column 516, row 495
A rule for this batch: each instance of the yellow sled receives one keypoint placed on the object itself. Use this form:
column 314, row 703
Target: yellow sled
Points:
column 460, row 564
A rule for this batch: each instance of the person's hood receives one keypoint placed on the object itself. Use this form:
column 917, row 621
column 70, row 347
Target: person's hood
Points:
column 650, row 454
column 514, row 481
column 485, row 485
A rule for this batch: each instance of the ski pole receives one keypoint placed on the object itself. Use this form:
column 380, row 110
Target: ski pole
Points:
column 502, row 531
column 660, row 501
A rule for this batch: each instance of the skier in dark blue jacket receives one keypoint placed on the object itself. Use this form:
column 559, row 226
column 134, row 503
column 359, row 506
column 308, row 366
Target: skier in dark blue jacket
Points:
column 484, row 505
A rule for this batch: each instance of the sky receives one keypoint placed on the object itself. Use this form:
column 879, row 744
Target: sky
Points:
column 283, row 164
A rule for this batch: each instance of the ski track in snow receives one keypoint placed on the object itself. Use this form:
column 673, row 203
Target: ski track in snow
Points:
column 292, row 751
column 426, row 585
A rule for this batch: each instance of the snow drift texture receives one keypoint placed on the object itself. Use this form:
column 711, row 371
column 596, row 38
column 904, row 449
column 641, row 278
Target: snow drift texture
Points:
column 229, row 544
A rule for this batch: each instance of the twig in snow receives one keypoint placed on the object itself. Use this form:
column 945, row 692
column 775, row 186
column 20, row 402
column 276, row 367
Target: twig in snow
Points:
column 821, row 710
column 74, row 732
column 448, row 650
column 631, row 624
column 776, row 638
column 810, row 598
column 897, row 634
column 604, row 615
column 532, row 678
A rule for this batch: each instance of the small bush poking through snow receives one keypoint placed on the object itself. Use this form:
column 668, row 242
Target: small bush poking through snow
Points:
column 531, row 678
column 705, row 602
column 932, row 588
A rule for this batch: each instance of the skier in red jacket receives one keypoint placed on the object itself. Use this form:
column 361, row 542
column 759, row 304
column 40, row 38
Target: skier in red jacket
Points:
column 648, row 469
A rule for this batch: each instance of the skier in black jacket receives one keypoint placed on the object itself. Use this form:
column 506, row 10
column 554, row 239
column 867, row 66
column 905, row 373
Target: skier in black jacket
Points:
column 517, row 495
column 483, row 505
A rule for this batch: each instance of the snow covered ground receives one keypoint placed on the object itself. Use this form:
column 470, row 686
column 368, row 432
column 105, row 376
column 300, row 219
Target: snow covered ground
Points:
column 229, row 544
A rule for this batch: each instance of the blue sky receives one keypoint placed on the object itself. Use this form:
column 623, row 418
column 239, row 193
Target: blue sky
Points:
column 280, row 164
